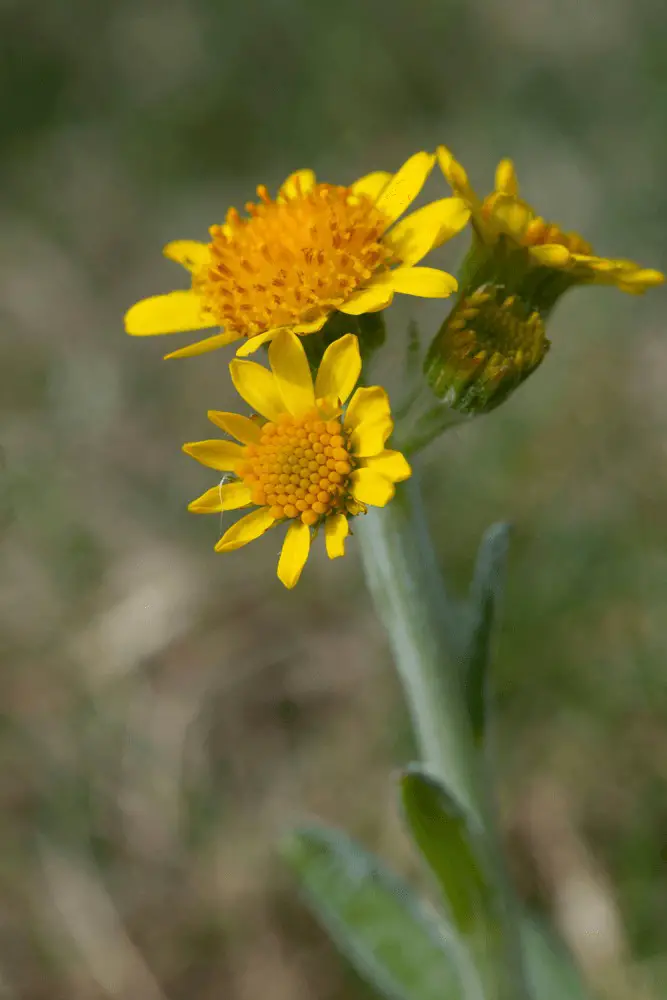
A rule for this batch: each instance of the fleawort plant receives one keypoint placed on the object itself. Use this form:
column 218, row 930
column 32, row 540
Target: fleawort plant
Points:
column 309, row 275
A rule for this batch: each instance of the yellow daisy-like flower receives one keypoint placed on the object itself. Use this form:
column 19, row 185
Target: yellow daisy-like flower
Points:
column 504, row 214
column 310, row 460
column 294, row 260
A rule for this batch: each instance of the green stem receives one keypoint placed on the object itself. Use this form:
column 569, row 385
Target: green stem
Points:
column 411, row 601
column 424, row 632
column 422, row 419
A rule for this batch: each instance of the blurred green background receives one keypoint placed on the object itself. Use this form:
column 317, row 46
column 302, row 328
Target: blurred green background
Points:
column 166, row 712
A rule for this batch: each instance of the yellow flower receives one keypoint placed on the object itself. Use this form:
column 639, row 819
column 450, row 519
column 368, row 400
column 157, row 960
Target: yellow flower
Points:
column 294, row 260
column 504, row 214
column 309, row 461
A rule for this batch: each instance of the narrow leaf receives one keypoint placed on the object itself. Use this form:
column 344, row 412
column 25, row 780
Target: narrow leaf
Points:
column 442, row 833
column 412, row 383
column 398, row 945
column 551, row 972
column 413, row 351
column 484, row 597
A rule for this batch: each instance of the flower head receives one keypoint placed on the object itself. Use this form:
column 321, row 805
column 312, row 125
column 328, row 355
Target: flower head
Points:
column 503, row 215
column 294, row 260
column 308, row 460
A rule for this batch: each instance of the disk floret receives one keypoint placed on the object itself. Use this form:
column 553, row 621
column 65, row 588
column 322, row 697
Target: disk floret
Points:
column 300, row 468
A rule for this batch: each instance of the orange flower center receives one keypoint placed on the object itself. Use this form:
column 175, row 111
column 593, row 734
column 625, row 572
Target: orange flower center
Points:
column 300, row 468
column 293, row 261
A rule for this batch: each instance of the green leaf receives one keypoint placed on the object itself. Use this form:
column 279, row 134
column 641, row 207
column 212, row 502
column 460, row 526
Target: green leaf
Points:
column 484, row 597
column 413, row 350
column 398, row 945
column 442, row 833
column 551, row 973
column 412, row 383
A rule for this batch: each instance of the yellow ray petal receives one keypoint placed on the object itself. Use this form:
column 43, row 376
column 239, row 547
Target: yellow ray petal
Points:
column 427, row 282
column 203, row 346
column 170, row 313
column 390, row 464
column 377, row 295
column 372, row 185
column 336, row 530
column 216, row 454
column 312, row 327
column 257, row 386
column 370, row 436
column 551, row 255
column 241, row 428
column 297, row 184
column 291, row 372
column 190, row 253
column 506, row 179
column 339, row 369
column 405, row 185
column 456, row 176
column 643, row 278
column 253, row 344
column 512, row 214
column 368, row 403
column 294, row 553
column 601, row 264
column 370, row 487
column 368, row 418
column 231, row 496
column 427, row 228
column 247, row 529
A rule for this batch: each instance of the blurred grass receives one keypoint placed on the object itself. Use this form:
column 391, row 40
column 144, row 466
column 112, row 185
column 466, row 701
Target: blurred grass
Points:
column 167, row 712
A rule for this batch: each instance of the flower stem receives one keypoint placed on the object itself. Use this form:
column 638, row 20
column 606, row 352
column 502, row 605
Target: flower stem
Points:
column 411, row 601
column 424, row 419
column 424, row 630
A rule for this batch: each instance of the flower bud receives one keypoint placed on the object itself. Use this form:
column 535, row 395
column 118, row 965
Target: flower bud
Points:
column 487, row 346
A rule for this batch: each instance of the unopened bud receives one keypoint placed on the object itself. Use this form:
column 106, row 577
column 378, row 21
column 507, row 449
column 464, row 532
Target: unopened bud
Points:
column 488, row 345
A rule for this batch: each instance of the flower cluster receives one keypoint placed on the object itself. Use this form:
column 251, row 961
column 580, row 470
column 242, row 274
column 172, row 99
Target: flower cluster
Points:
column 312, row 454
